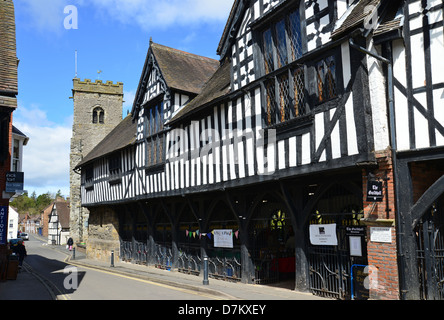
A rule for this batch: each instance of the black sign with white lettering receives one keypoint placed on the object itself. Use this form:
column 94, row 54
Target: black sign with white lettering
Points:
column 374, row 191
column 14, row 181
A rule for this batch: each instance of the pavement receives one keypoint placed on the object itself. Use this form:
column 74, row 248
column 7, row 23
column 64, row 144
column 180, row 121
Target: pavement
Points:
column 29, row 285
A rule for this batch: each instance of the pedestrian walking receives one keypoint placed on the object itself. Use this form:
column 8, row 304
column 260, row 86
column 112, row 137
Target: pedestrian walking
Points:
column 21, row 251
column 70, row 243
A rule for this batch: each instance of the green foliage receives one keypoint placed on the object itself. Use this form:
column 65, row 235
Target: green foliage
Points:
column 34, row 204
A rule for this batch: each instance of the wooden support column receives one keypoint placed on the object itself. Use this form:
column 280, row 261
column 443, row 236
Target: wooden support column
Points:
column 240, row 210
column 174, row 233
column 151, row 245
column 294, row 203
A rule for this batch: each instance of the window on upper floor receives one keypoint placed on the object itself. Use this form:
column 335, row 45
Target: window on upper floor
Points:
column 282, row 42
column 115, row 168
column 154, row 135
column 16, row 155
column 115, row 164
column 294, row 81
column 98, row 115
column 326, row 79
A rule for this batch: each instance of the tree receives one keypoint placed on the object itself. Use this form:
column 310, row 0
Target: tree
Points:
column 32, row 205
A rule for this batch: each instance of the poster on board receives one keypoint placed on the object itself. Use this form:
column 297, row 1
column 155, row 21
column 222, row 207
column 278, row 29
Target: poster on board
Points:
column 323, row 235
column 223, row 238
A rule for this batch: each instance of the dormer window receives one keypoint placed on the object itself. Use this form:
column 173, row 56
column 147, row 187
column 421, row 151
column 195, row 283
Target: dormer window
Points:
column 98, row 115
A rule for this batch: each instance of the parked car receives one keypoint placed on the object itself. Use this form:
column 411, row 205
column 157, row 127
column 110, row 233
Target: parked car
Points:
column 24, row 236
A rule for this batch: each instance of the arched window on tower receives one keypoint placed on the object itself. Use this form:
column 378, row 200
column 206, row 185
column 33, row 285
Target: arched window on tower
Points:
column 98, row 115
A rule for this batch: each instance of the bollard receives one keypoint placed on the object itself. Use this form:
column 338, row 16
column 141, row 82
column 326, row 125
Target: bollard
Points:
column 73, row 253
column 205, row 280
column 112, row 258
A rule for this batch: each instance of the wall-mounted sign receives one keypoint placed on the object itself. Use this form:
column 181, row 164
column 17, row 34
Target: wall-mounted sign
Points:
column 381, row 234
column 374, row 191
column 323, row 235
column 3, row 225
column 223, row 238
column 14, row 181
column 356, row 234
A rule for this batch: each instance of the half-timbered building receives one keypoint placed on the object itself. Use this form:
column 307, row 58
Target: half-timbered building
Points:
column 294, row 162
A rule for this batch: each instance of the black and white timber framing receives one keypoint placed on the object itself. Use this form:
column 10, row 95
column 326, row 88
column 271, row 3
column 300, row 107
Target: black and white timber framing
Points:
column 232, row 136
column 332, row 135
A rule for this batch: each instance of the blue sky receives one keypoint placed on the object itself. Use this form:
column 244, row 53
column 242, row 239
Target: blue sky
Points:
column 112, row 36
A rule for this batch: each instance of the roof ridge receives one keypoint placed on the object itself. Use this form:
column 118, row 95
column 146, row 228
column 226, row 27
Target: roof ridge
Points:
column 185, row 53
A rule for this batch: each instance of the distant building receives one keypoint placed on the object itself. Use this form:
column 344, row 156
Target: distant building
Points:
column 13, row 221
column 58, row 222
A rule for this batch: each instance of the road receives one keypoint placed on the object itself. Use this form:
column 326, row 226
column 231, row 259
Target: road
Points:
column 80, row 283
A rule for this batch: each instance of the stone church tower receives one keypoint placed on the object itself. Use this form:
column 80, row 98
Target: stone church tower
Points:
column 98, row 109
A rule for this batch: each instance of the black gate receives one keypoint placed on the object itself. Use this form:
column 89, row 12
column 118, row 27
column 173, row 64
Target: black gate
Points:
column 330, row 265
column 430, row 252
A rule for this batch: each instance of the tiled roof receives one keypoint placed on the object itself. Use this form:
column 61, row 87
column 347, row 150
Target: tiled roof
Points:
column 123, row 135
column 182, row 70
column 216, row 87
column 62, row 207
column 356, row 17
column 8, row 55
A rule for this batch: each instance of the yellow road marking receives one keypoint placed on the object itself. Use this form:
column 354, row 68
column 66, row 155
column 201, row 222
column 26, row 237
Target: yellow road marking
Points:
column 201, row 294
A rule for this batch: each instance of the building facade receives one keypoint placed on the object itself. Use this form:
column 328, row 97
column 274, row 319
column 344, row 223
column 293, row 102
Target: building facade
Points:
column 58, row 222
column 303, row 159
column 8, row 103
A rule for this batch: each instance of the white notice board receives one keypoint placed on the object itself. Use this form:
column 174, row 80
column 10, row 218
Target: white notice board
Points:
column 323, row 235
column 223, row 238
column 381, row 234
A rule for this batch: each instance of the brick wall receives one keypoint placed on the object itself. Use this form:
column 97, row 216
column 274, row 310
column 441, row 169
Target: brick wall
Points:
column 382, row 257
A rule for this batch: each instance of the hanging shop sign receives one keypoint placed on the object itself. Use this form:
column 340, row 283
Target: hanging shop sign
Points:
column 323, row 235
column 374, row 191
column 3, row 224
column 14, row 182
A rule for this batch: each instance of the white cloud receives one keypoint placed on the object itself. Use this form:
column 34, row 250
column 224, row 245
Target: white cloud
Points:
column 49, row 15
column 46, row 156
column 164, row 13
column 43, row 15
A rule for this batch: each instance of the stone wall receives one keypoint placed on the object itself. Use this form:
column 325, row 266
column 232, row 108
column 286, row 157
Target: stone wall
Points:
column 103, row 236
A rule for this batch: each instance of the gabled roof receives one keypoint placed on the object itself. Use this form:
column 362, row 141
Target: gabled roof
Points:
column 62, row 208
column 179, row 70
column 182, row 70
column 19, row 133
column 217, row 87
column 123, row 135
column 230, row 30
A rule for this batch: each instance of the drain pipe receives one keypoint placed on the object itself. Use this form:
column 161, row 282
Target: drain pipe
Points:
column 394, row 159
